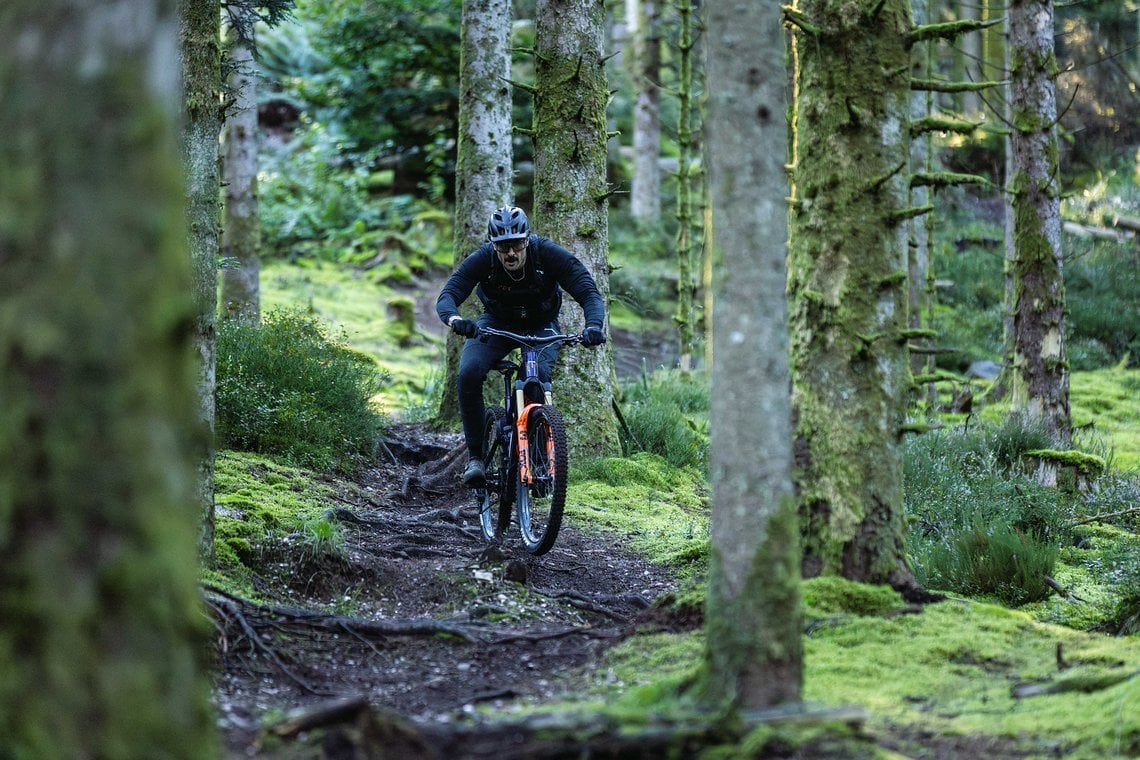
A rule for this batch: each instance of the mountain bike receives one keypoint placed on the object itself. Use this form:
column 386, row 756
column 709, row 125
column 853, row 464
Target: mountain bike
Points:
column 524, row 449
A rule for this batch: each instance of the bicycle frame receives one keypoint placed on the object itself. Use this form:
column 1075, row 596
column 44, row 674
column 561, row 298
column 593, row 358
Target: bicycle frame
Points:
column 536, row 487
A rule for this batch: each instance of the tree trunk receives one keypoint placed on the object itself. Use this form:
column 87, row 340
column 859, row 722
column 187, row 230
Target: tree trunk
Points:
column 847, row 287
column 753, row 651
column 571, row 197
column 685, row 317
column 241, row 237
column 969, row 58
column 645, row 192
column 1041, row 373
column 102, row 635
column 200, row 51
column 483, row 162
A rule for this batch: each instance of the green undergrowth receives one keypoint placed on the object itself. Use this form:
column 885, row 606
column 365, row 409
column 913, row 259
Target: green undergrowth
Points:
column 356, row 302
column 951, row 669
column 659, row 510
column 262, row 504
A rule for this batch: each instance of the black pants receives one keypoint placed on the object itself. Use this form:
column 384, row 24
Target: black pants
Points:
column 478, row 357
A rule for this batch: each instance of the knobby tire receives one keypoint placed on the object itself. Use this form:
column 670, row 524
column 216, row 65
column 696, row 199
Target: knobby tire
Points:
column 541, row 503
column 495, row 497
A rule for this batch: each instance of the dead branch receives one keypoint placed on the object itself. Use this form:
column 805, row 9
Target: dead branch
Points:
column 1105, row 516
column 1086, row 684
column 1127, row 222
column 297, row 618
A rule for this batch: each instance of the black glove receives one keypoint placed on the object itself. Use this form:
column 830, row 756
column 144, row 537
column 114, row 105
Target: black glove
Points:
column 593, row 336
column 464, row 327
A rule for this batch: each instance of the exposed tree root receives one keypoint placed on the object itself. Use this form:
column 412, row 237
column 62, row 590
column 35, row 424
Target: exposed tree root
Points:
column 350, row 724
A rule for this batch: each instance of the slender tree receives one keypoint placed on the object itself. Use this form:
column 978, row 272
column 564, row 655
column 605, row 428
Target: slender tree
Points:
column 571, row 195
column 200, row 51
column 847, row 285
column 241, row 235
column 753, row 649
column 483, row 164
column 102, row 639
column 1040, row 382
column 645, row 192
column 685, row 317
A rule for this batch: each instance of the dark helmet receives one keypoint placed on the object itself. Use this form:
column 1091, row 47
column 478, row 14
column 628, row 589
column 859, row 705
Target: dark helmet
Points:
column 508, row 222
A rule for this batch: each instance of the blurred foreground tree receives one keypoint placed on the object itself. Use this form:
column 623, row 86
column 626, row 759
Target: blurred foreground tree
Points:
column 102, row 639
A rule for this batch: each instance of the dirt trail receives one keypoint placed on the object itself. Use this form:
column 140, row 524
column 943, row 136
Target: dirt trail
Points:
column 412, row 618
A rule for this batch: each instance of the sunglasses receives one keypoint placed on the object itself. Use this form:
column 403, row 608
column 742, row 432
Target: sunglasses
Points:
column 518, row 246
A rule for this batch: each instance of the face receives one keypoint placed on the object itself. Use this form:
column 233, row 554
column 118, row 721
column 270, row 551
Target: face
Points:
column 512, row 254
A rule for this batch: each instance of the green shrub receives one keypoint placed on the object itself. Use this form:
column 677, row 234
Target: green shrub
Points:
column 991, row 560
column 286, row 388
column 667, row 415
column 978, row 524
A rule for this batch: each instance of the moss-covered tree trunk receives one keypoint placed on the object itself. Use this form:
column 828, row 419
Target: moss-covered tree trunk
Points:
column 1040, row 382
column 685, row 318
column 483, row 163
column 102, row 639
column 848, row 285
column 200, row 52
column 241, row 235
column 571, row 197
column 753, row 651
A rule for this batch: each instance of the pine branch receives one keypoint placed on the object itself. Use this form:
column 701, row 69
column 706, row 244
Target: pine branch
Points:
column 906, row 214
column 938, row 85
column 942, row 124
column 945, row 179
column 948, row 30
column 795, row 18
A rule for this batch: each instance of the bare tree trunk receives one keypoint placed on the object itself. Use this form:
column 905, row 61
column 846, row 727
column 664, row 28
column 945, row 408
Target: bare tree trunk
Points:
column 571, row 197
column 483, row 161
column 241, row 236
column 200, row 50
column 645, row 192
column 1041, row 373
column 102, row 635
column 685, row 318
column 753, row 651
column 847, row 287
column 970, row 58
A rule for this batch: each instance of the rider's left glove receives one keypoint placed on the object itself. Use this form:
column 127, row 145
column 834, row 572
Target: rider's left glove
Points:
column 593, row 336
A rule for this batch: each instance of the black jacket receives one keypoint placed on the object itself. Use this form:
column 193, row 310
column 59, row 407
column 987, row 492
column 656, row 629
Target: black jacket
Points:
column 532, row 301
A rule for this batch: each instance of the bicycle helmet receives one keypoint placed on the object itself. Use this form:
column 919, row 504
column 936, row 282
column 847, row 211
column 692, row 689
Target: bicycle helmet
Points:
column 508, row 223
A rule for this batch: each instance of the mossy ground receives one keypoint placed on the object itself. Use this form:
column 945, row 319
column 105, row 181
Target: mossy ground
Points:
column 948, row 670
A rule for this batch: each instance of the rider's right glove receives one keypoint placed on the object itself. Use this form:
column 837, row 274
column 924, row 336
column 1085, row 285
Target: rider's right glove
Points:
column 464, row 327
column 593, row 336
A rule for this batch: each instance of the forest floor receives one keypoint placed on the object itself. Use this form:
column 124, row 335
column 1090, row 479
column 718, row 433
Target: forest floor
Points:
column 413, row 616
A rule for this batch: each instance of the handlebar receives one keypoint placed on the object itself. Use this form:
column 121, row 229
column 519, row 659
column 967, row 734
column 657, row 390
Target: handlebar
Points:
column 531, row 340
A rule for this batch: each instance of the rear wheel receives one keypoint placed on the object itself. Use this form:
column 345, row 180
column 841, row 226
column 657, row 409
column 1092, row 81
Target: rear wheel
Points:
column 540, row 503
column 494, row 497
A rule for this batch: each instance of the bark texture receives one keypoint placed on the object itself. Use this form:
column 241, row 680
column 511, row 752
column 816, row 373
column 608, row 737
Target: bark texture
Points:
column 241, row 237
column 483, row 164
column 848, row 285
column 571, row 197
column 686, row 313
column 645, row 190
column 753, row 652
column 1040, row 382
column 200, row 52
column 102, row 639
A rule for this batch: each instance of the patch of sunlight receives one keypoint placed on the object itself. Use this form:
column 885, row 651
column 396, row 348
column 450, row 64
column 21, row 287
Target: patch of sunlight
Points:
column 355, row 302
column 661, row 510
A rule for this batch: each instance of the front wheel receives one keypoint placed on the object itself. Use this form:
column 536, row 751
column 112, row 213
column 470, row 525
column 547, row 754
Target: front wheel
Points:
column 494, row 497
column 541, row 502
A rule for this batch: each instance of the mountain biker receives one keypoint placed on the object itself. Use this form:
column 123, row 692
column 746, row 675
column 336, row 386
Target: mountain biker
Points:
column 519, row 277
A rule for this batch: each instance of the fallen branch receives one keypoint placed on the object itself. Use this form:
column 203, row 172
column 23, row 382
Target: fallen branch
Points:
column 1086, row 684
column 1105, row 516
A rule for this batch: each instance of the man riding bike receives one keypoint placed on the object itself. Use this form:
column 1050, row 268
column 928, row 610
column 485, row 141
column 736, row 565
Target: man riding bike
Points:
column 519, row 278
